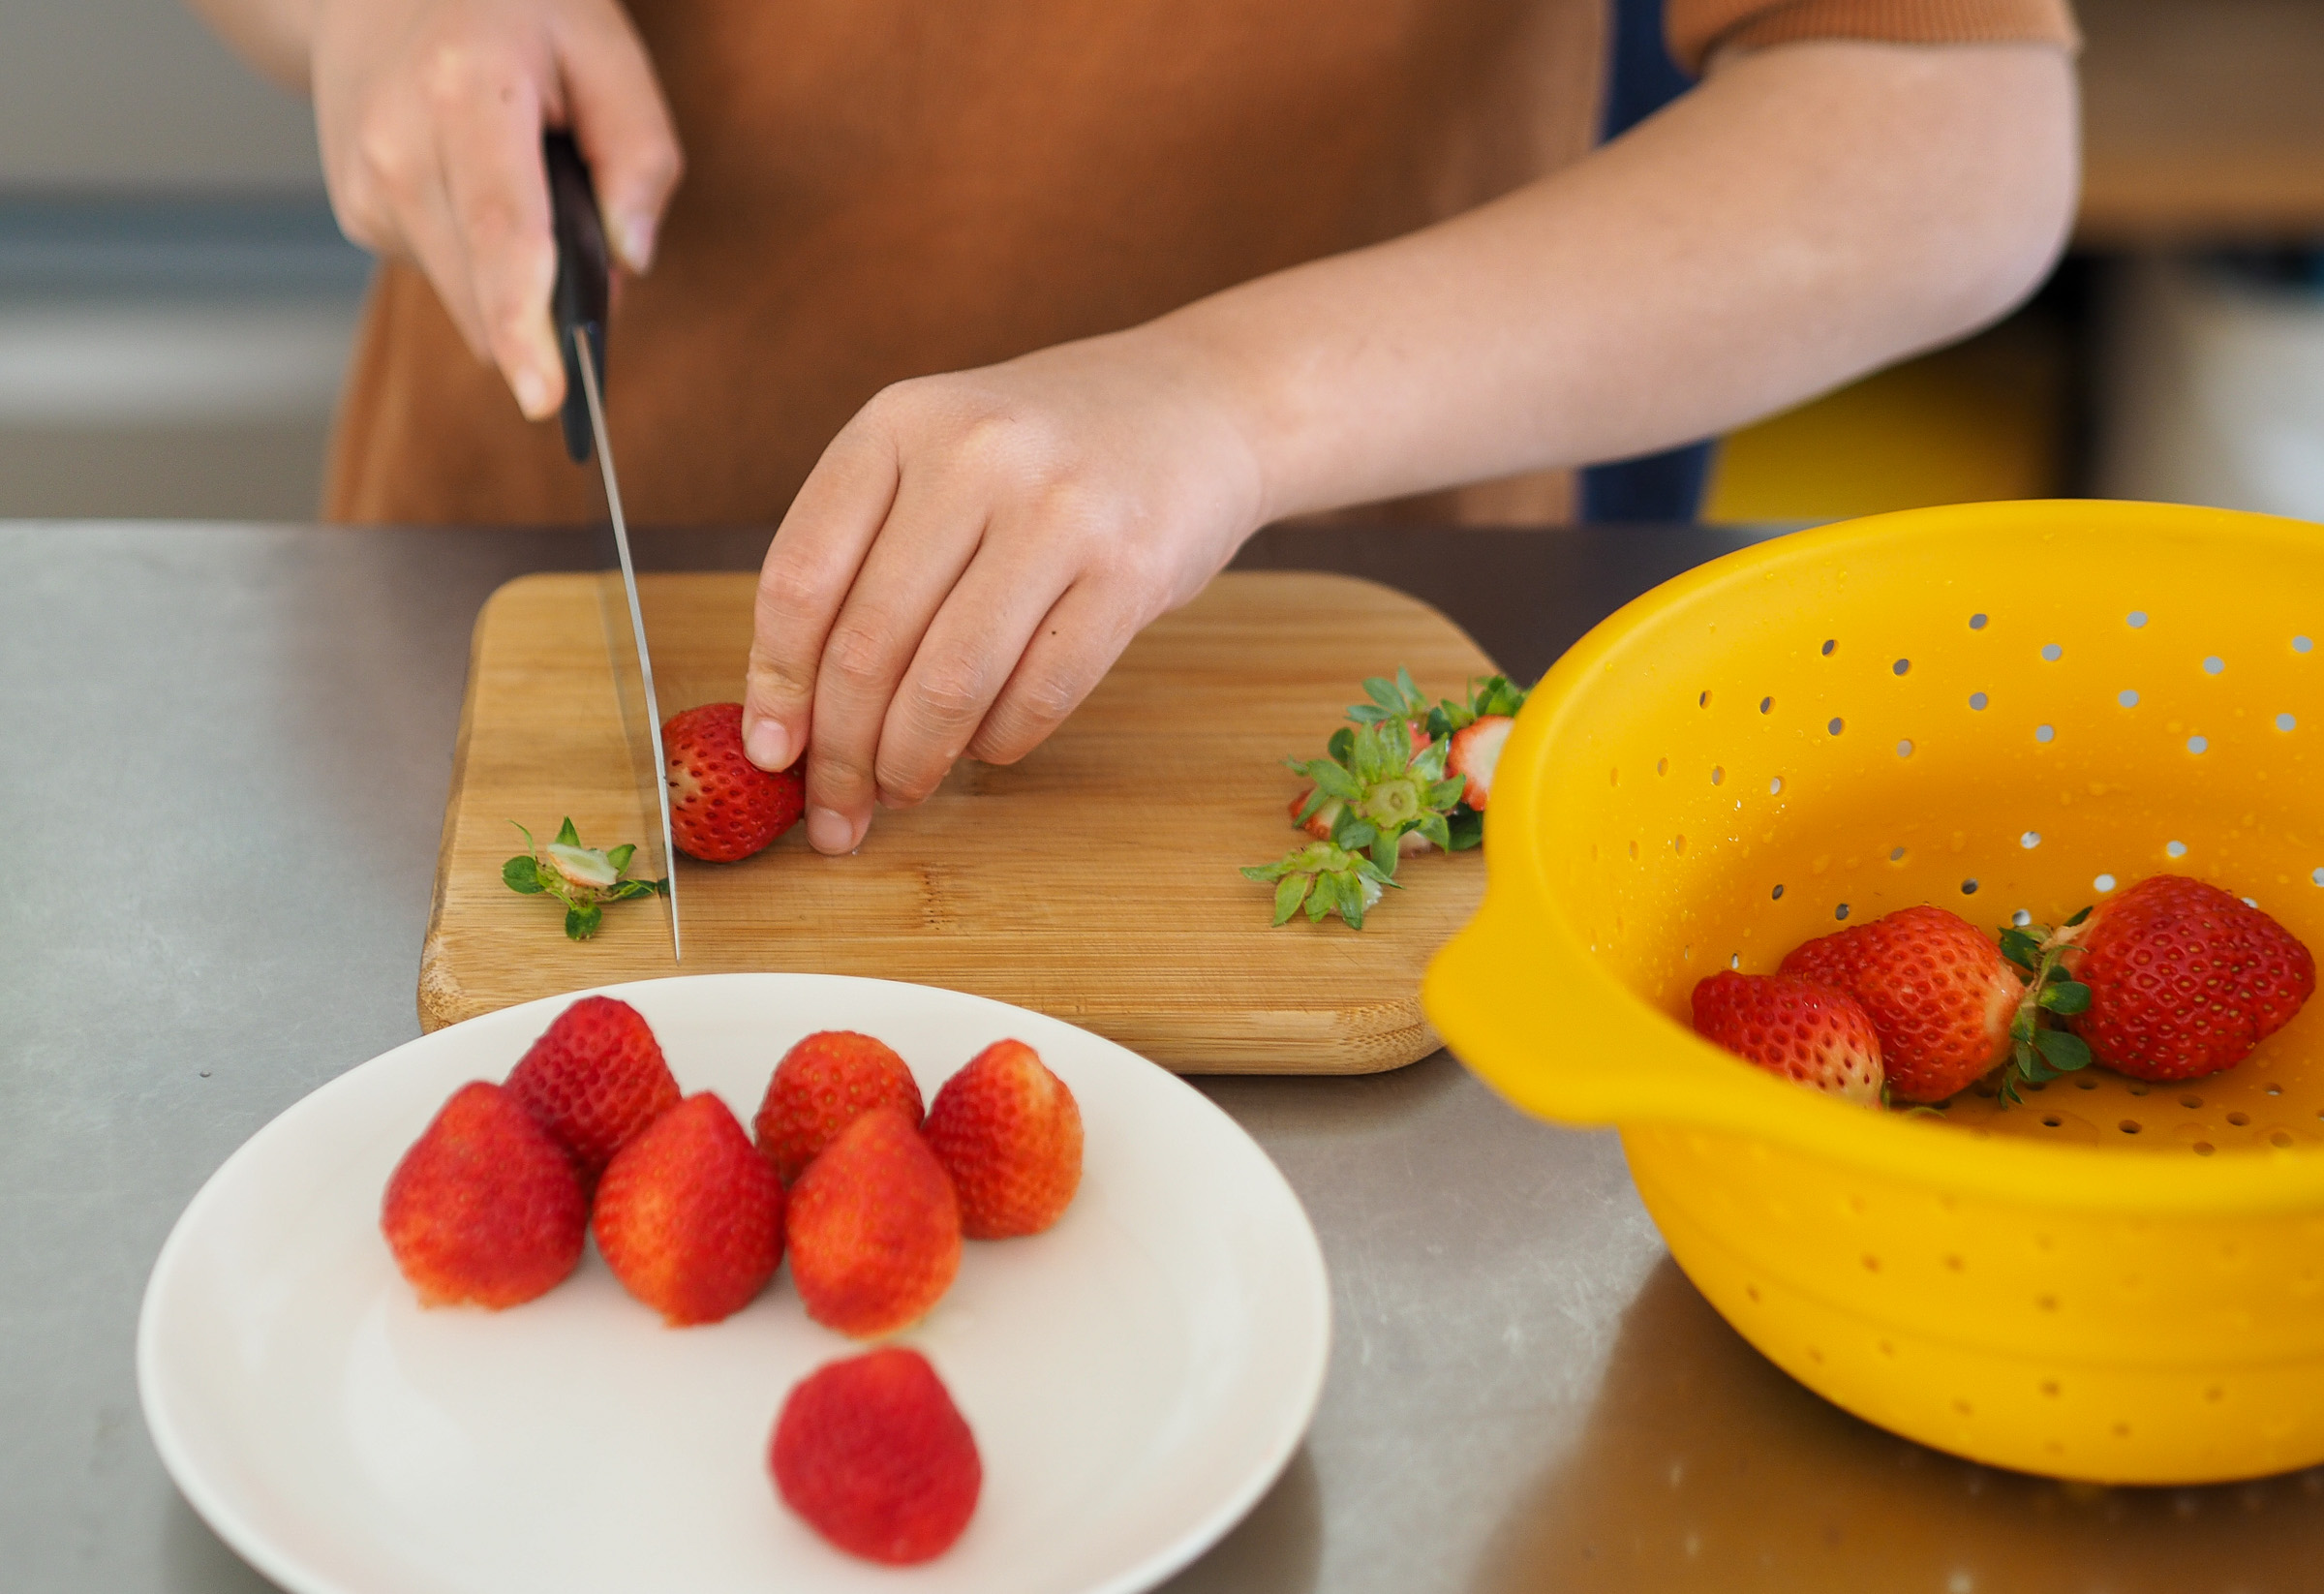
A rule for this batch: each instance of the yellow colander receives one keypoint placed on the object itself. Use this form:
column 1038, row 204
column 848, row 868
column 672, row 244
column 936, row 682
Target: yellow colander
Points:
column 2007, row 710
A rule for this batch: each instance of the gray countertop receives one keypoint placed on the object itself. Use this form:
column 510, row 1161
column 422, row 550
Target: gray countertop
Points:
column 225, row 756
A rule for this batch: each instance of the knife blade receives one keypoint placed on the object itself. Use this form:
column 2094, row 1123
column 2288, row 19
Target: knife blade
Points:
column 579, row 305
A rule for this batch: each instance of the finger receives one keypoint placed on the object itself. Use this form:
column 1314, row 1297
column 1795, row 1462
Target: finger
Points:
column 927, row 542
column 488, row 132
column 623, row 125
column 804, row 579
column 386, row 186
column 1070, row 649
column 963, row 662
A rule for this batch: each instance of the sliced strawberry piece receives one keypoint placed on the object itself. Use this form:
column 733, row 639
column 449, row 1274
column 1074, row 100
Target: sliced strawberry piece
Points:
column 1799, row 1028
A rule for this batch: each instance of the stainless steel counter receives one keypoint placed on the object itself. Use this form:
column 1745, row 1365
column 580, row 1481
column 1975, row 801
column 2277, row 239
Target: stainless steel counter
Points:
column 222, row 759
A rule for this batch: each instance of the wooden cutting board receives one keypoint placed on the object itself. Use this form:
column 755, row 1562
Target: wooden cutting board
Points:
column 1096, row 880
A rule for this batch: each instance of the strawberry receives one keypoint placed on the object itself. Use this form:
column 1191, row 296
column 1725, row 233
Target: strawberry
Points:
column 594, row 1078
column 1325, row 816
column 1796, row 1027
column 874, row 1456
column 723, row 808
column 2185, row 979
column 1475, row 752
column 689, row 1215
column 874, row 1228
column 1009, row 1133
column 1940, row 993
column 819, row 1087
column 485, row 1207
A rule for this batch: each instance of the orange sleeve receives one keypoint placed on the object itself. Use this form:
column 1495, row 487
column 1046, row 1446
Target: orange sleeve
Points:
column 1695, row 28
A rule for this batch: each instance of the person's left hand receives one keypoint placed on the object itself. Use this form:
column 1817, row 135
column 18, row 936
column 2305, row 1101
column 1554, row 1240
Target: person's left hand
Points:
column 972, row 553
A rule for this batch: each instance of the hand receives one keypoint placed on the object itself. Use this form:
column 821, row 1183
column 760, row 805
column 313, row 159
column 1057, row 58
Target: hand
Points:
column 971, row 554
column 429, row 114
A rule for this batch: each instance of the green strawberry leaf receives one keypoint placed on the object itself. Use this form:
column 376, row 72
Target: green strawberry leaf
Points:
column 1290, row 894
column 620, row 856
column 1384, row 847
column 2019, row 947
column 2078, row 918
column 1438, row 830
column 581, row 921
column 2063, row 1051
column 566, row 835
column 1467, row 827
column 1342, row 742
column 2070, row 996
column 522, row 873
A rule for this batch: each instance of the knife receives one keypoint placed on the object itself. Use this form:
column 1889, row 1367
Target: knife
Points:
column 578, row 305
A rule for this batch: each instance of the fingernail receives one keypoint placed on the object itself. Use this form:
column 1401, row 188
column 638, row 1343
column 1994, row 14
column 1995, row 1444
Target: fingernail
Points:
column 633, row 238
column 767, row 745
column 532, row 392
column 828, row 830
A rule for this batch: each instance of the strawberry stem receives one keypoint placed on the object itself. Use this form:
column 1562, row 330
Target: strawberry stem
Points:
column 2040, row 1053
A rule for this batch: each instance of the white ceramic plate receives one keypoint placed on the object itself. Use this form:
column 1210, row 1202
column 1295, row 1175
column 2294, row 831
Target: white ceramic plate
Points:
column 1136, row 1377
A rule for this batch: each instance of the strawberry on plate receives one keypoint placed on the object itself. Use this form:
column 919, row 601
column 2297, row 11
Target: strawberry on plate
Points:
column 594, row 1078
column 723, row 808
column 484, row 1207
column 1940, row 993
column 689, row 1215
column 820, row 1087
column 2185, row 979
column 1794, row 1027
column 872, row 1453
column 874, row 1228
column 1009, row 1133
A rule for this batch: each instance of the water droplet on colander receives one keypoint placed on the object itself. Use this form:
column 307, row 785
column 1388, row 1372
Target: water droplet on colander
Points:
column 2198, row 744
column 1979, row 700
column 2045, row 733
column 1977, row 622
column 2136, row 618
column 2284, row 721
column 2051, row 652
column 2126, row 697
column 2031, row 840
column 2174, row 849
column 2104, row 883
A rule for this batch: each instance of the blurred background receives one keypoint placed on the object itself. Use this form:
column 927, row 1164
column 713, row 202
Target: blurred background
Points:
column 176, row 302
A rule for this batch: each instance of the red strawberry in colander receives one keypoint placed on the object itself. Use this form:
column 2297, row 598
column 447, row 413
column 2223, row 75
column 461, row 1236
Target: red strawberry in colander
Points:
column 723, row 808
column 1794, row 1027
column 1940, row 993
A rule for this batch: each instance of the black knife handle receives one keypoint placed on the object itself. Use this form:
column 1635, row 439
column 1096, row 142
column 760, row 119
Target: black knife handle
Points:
column 579, row 302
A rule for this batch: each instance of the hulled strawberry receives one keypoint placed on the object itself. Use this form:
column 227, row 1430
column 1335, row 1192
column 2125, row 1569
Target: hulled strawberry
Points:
column 484, row 1207
column 723, row 808
column 2185, row 979
column 594, row 1078
column 1795, row 1027
column 821, row 1085
column 1938, row 992
column 874, row 1228
column 874, row 1456
column 690, row 1217
column 1009, row 1133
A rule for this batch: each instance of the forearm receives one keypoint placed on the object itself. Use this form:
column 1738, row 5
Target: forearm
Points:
column 274, row 36
column 1807, row 214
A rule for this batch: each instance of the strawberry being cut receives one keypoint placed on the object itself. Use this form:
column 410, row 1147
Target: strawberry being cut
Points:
column 1474, row 752
column 594, row 1078
column 2185, row 979
column 874, row 1456
column 1941, row 995
column 820, row 1087
column 1796, row 1027
column 723, row 808
column 874, row 1228
column 689, row 1215
column 1009, row 1133
column 485, row 1206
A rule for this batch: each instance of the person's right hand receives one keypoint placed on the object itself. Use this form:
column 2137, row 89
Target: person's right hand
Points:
column 429, row 114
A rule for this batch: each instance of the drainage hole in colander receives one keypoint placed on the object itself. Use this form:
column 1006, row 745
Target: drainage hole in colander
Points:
column 2213, row 664
column 1678, row 844
column 1840, row 912
column 1896, row 854
column 2129, row 1126
column 2138, row 1089
column 2174, row 849
column 2081, row 1083
column 2051, row 653
column 1837, row 725
column 1775, row 788
column 1953, row 1262
column 2121, row 1431
column 1634, row 849
column 2052, row 1121
column 1872, row 1264
column 2198, row 744
column 1979, row 700
column 1661, row 766
column 2045, row 733
column 1903, row 667
column 1767, row 705
column 1703, row 700
column 2301, row 644
column 2126, row 697
column 2136, row 619
column 1753, row 1291
column 1977, row 622
column 2049, row 1387
column 2204, row 1147
column 1962, row 1406
column 1777, row 895
column 1903, row 750
column 1734, row 959
column 2047, row 1302
column 2104, row 883
column 2280, row 1137
column 1969, row 888
column 1829, row 643
column 2022, row 918
column 2239, row 1119
column 1718, row 776
column 2190, row 1101
column 2031, row 840
column 2284, row 721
